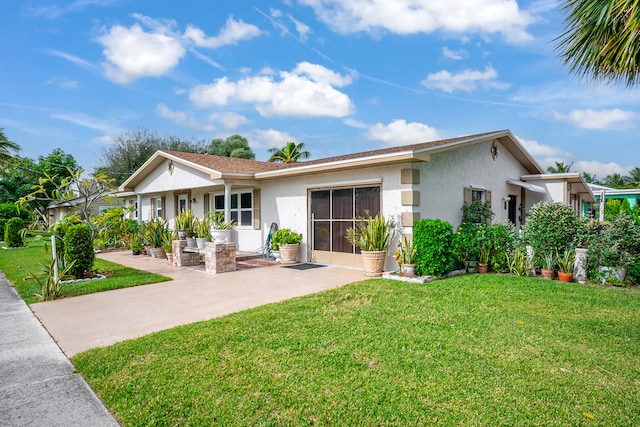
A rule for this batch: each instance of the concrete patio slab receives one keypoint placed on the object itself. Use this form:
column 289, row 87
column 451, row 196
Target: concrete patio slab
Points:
column 104, row 318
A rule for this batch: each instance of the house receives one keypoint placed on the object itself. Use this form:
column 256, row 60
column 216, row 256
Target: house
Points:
column 602, row 194
column 321, row 198
column 93, row 203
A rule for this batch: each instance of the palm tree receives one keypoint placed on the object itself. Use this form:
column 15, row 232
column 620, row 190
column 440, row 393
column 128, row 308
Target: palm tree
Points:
column 614, row 181
column 560, row 167
column 590, row 179
column 6, row 147
column 602, row 40
column 633, row 180
column 290, row 153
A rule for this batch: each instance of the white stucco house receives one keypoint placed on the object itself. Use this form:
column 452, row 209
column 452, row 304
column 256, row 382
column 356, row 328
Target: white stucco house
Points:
column 320, row 198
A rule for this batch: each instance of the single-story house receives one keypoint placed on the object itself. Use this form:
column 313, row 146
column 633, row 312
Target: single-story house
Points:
column 321, row 198
column 603, row 193
column 75, row 205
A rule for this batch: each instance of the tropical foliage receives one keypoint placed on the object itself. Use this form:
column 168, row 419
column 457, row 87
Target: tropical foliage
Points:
column 6, row 148
column 233, row 146
column 290, row 153
column 372, row 233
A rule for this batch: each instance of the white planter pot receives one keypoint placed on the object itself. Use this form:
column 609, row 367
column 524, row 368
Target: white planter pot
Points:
column 276, row 255
column 200, row 241
column 220, row 236
column 610, row 272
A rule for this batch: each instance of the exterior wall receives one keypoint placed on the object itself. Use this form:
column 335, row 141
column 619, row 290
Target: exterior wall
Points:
column 444, row 177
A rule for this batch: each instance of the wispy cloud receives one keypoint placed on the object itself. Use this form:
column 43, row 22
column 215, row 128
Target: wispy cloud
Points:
column 72, row 58
column 615, row 119
column 466, row 80
column 55, row 11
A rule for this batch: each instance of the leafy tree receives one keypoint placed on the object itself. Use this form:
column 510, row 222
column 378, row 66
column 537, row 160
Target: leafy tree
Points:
column 633, row 180
column 17, row 179
column 131, row 149
column 590, row 179
column 6, row 147
column 602, row 40
column 560, row 167
column 290, row 153
column 233, row 146
column 614, row 181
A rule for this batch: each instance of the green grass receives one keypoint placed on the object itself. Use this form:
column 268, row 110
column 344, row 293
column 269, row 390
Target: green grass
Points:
column 18, row 264
column 471, row 350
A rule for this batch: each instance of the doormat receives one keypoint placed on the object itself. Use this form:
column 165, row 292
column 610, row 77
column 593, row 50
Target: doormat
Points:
column 303, row 266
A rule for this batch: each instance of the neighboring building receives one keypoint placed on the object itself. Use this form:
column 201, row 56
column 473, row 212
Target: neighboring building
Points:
column 602, row 194
column 58, row 209
column 321, row 198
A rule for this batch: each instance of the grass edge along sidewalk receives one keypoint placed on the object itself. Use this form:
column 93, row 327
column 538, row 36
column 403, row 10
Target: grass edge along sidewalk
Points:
column 470, row 350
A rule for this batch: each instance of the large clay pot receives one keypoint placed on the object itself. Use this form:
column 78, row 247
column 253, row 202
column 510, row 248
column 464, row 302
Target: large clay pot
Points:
column 565, row 277
column 483, row 268
column 374, row 263
column 547, row 274
column 160, row 253
column 289, row 253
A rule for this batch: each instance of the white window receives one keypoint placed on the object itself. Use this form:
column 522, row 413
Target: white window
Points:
column 157, row 207
column 241, row 207
column 134, row 214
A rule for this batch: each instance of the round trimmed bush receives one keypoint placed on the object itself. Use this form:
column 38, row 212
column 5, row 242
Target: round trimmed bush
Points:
column 12, row 237
column 550, row 227
column 10, row 210
column 433, row 238
column 78, row 247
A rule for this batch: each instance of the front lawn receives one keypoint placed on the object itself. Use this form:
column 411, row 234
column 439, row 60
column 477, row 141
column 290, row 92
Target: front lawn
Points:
column 470, row 350
column 19, row 263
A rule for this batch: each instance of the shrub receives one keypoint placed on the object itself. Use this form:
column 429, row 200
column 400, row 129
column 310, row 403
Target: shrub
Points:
column 3, row 223
column 465, row 245
column 633, row 272
column 78, row 248
column 477, row 212
column 504, row 238
column 12, row 235
column 614, row 244
column 550, row 227
column 285, row 236
column 9, row 210
column 432, row 239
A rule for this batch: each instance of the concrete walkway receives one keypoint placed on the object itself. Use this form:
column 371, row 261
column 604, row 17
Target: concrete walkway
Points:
column 101, row 319
column 38, row 384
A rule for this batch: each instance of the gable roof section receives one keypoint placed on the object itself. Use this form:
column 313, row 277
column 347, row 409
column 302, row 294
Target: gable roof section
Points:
column 226, row 167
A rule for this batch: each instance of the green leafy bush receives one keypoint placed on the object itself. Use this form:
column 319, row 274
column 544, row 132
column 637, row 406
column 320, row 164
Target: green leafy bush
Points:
column 78, row 249
column 3, row 224
column 432, row 238
column 285, row 236
column 477, row 212
column 465, row 244
column 613, row 244
column 12, row 235
column 504, row 238
column 550, row 227
column 10, row 210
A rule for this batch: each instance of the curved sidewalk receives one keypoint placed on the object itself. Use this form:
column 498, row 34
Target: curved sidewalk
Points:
column 104, row 318
column 38, row 384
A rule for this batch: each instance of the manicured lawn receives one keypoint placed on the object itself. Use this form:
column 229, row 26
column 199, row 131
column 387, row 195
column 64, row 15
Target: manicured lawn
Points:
column 471, row 350
column 18, row 263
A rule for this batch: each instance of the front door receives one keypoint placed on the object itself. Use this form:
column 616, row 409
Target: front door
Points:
column 513, row 209
column 183, row 203
column 333, row 212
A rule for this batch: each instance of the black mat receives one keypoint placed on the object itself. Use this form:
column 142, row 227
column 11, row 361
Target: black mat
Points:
column 304, row 266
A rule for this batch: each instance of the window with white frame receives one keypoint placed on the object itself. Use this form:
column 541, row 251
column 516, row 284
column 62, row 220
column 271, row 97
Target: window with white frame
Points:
column 241, row 208
column 157, row 207
column 476, row 194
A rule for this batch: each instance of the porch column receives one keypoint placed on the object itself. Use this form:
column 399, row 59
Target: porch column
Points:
column 227, row 202
column 139, row 209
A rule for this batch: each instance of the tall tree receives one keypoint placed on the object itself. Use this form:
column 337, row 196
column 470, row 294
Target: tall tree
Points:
column 6, row 147
column 17, row 179
column 614, row 180
column 633, row 180
column 131, row 149
column 233, row 146
column 560, row 167
column 590, row 179
column 290, row 153
column 602, row 40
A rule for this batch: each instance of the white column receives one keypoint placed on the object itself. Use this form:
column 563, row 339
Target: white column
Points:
column 139, row 201
column 601, row 216
column 227, row 202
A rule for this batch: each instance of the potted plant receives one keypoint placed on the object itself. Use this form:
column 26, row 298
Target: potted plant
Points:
column 167, row 243
column 135, row 244
column 288, row 243
column 220, row 229
column 566, row 262
column 184, row 223
column 406, row 258
column 372, row 236
column 548, row 264
column 153, row 233
column 203, row 231
column 484, row 253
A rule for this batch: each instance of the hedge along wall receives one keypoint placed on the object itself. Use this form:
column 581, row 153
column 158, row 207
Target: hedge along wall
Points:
column 78, row 247
column 12, row 237
column 433, row 239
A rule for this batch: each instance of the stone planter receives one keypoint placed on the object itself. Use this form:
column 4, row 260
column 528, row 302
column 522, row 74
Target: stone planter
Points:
column 374, row 263
column 565, row 277
column 547, row 274
column 612, row 274
column 289, row 253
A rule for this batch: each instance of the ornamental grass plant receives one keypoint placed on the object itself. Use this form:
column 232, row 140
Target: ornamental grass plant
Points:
column 372, row 233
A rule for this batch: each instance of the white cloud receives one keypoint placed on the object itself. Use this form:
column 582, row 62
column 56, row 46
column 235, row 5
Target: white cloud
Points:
column 599, row 119
column 267, row 138
column 307, row 91
column 132, row 53
column 72, row 58
column 56, row 11
column 229, row 119
column 63, row 82
column 399, row 132
column 87, row 121
column 466, row 80
column 536, row 149
column 355, row 123
column 454, row 54
column 403, row 17
column 232, row 32
column 184, row 119
column 601, row 170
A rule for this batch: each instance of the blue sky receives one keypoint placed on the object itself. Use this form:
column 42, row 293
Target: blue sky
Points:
column 341, row 76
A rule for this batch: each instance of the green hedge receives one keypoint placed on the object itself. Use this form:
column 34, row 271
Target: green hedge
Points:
column 433, row 239
column 12, row 236
column 78, row 247
column 10, row 210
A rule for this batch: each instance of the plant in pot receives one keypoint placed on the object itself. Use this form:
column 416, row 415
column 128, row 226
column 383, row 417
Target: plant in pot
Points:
column 203, row 231
column 406, row 257
column 288, row 243
column 135, row 243
column 373, row 236
column 484, row 250
column 184, row 223
column 548, row 265
column 566, row 262
column 153, row 233
column 167, row 243
column 220, row 229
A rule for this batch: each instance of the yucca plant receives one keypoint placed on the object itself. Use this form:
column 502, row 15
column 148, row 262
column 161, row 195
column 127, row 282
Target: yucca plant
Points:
column 566, row 260
column 372, row 233
column 50, row 286
column 184, row 220
column 153, row 232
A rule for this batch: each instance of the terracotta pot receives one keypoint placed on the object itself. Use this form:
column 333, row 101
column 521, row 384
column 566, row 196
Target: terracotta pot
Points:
column 565, row 277
column 374, row 263
column 547, row 274
column 483, row 268
column 289, row 253
column 169, row 257
column 160, row 253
